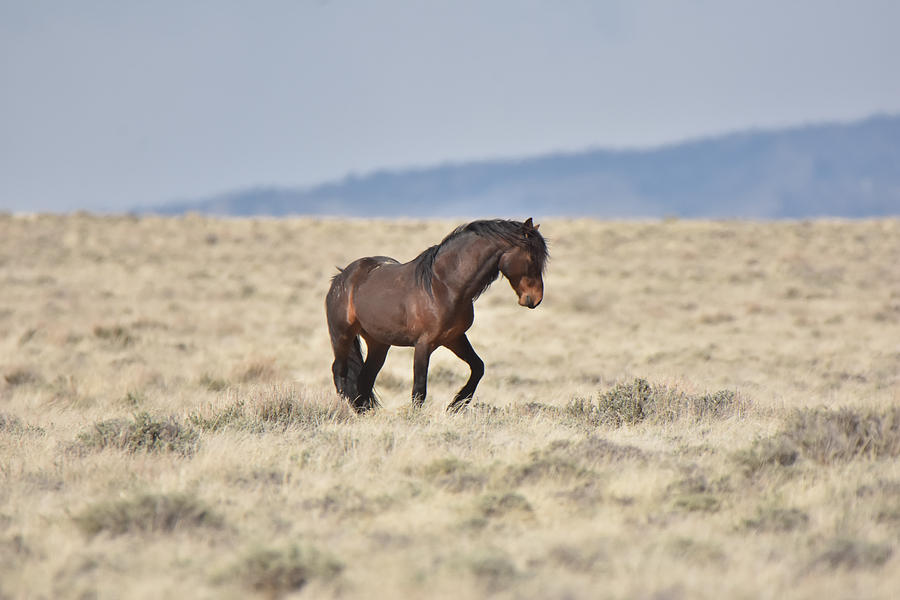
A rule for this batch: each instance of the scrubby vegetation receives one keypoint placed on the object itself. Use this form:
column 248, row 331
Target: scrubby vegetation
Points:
column 696, row 410
column 827, row 436
column 640, row 401
column 146, row 513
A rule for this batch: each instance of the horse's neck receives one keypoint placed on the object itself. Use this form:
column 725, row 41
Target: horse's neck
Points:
column 468, row 266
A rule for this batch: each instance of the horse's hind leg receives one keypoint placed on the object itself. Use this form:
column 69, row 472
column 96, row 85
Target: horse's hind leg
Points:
column 344, row 341
column 375, row 355
column 339, row 367
column 463, row 349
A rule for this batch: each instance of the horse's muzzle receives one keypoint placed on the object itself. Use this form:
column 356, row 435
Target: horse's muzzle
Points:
column 528, row 301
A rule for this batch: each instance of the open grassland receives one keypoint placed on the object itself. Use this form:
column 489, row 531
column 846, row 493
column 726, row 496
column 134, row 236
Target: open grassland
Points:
column 697, row 410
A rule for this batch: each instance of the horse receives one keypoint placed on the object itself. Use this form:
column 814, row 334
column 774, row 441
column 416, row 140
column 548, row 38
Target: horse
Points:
column 426, row 303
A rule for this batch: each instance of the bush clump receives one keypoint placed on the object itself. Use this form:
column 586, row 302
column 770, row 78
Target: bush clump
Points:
column 844, row 553
column 502, row 505
column 777, row 520
column 695, row 493
column 146, row 513
column 827, row 437
column 275, row 572
column 10, row 423
column 639, row 401
column 493, row 569
column 143, row 433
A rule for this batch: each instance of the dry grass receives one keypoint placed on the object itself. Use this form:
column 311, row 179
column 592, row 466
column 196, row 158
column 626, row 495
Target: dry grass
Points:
column 697, row 410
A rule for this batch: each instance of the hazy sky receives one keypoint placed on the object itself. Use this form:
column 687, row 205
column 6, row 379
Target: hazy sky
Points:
column 114, row 104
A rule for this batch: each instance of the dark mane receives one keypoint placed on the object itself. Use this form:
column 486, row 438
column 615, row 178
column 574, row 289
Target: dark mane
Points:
column 508, row 231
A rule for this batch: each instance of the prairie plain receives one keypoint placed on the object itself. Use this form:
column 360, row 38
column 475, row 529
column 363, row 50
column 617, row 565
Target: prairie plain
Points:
column 696, row 410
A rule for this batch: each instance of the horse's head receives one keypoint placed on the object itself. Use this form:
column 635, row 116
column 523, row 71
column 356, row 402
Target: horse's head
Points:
column 523, row 265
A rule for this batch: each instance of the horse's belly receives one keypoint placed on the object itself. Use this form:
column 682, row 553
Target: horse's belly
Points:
column 387, row 330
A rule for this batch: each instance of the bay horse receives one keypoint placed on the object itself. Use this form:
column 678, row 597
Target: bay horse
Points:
column 426, row 303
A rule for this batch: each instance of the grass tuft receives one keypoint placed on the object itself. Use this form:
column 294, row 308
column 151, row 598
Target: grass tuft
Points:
column 143, row 433
column 115, row 334
column 21, row 376
column 454, row 475
column 146, row 513
column 213, row 384
column 263, row 369
column 272, row 408
column 583, row 411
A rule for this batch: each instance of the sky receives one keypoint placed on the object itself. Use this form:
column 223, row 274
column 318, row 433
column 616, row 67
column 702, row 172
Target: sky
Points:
column 116, row 104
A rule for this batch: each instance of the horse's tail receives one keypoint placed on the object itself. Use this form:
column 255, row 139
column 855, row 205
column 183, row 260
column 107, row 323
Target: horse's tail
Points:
column 345, row 342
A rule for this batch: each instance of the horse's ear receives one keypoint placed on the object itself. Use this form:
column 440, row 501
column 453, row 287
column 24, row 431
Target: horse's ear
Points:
column 529, row 227
column 528, row 224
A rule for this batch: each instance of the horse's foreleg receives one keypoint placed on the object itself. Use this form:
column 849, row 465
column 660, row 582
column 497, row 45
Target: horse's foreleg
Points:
column 463, row 349
column 420, row 373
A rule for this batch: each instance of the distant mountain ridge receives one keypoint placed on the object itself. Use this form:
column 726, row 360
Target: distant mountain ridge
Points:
column 841, row 170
